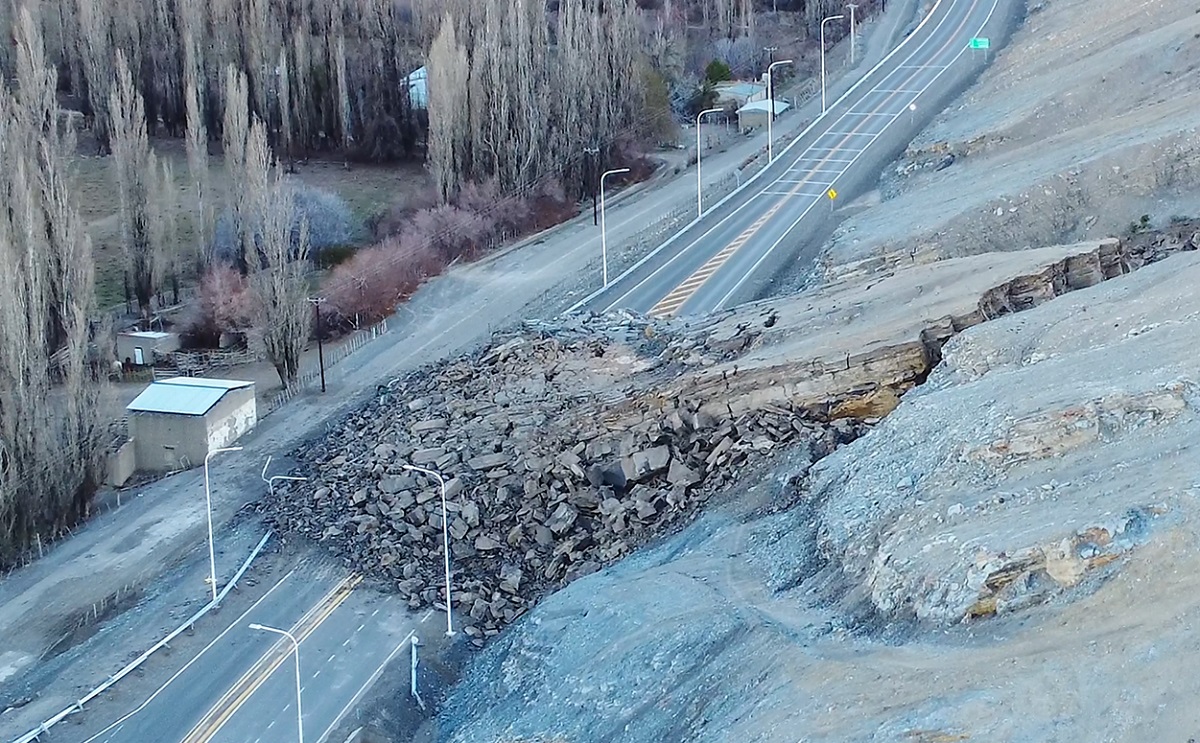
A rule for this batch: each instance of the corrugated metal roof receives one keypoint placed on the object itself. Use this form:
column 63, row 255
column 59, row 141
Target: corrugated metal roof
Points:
column 764, row 106
column 156, row 335
column 183, row 395
column 220, row 384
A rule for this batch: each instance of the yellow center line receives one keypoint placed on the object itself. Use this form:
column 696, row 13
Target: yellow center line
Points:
column 250, row 681
column 675, row 299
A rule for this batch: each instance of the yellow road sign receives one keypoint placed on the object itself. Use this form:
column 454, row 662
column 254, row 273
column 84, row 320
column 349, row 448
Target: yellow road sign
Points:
column 832, row 194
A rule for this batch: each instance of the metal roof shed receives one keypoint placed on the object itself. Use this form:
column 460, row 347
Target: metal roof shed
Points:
column 141, row 347
column 756, row 113
column 175, row 422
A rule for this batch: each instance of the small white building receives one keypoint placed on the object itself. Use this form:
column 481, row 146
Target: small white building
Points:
column 139, row 347
column 755, row 114
column 174, row 423
column 418, row 88
column 735, row 93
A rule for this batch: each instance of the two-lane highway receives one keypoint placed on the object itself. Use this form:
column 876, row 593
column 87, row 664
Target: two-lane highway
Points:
column 710, row 264
column 241, row 687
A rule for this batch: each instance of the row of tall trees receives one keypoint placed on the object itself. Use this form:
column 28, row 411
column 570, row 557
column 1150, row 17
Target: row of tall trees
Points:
column 51, row 352
column 49, row 413
column 320, row 73
column 514, row 98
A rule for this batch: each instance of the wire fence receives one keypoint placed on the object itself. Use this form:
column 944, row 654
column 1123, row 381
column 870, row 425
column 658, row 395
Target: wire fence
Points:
column 310, row 378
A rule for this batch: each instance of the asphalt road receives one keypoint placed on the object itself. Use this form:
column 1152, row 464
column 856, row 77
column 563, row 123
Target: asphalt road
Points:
column 715, row 261
column 241, row 688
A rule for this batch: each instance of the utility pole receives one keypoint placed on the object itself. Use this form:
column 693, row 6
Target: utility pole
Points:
column 594, row 153
column 770, row 50
column 316, row 303
column 853, row 39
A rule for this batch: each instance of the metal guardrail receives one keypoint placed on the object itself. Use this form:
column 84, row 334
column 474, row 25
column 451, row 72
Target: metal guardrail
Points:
column 37, row 732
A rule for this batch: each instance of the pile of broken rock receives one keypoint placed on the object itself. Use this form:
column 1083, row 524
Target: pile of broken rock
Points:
column 561, row 453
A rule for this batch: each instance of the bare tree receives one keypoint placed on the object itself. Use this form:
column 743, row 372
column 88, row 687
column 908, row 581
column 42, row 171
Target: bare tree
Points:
column 285, row 106
column 49, row 434
column 95, row 49
column 197, row 155
column 234, row 138
column 448, row 113
column 280, row 279
column 137, row 173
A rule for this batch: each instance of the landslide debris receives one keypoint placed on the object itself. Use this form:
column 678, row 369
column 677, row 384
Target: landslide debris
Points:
column 567, row 445
column 563, row 449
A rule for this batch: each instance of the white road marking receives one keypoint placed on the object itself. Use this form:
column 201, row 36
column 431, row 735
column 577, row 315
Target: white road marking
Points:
column 808, row 182
column 360, row 628
column 793, row 194
column 271, row 725
column 362, row 689
column 374, row 612
column 771, row 249
column 318, row 673
column 346, row 642
column 330, row 660
column 120, row 722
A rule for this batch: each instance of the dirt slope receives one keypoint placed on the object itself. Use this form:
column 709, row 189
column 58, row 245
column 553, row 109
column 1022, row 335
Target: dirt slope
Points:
column 833, row 605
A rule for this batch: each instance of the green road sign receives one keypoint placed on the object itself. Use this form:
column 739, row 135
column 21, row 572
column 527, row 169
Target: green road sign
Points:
column 980, row 42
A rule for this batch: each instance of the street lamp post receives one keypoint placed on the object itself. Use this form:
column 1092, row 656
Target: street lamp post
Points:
column 699, row 183
column 853, row 37
column 296, row 650
column 827, row 20
column 771, row 113
column 445, row 539
column 603, row 229
column 212, row 555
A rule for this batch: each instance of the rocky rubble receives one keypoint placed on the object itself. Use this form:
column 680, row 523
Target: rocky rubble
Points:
column 562, row 447
column 568, row 444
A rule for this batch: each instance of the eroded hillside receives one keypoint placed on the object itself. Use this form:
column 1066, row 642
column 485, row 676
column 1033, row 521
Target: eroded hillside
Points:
column 1010, row 555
